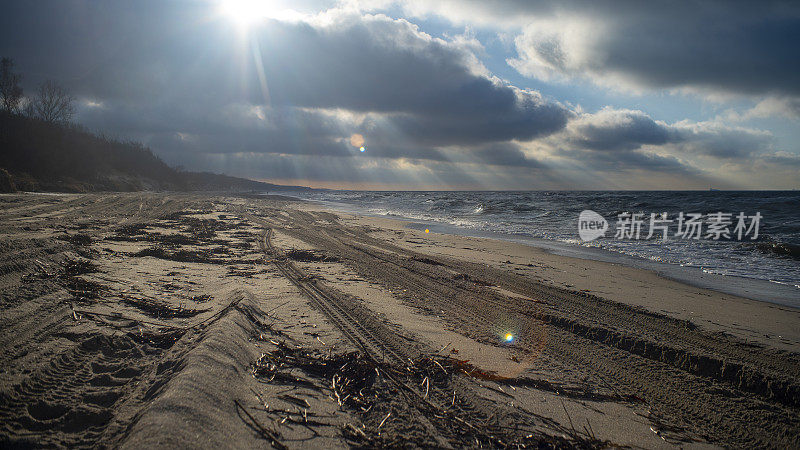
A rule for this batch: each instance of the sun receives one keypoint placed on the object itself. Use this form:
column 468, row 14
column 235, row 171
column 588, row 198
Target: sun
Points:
column 247, row 12
column 243, row 12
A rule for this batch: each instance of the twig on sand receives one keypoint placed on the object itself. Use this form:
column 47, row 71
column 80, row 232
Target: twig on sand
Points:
column 385, row 419
column 260, row 398
column 355, row 430
column 568, row 417
column 269, row 435
column 590, row 431
column 273, row 309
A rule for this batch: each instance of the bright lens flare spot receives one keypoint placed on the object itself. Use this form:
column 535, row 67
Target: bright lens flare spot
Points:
column 357, row 140
column 362, row 149
column 427, row 230
column 509, row 337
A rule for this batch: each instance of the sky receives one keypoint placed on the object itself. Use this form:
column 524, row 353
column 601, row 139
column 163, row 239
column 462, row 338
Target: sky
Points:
column 434, row 95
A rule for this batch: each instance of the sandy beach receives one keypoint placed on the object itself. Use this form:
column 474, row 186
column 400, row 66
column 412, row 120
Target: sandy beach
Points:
column 147, row 320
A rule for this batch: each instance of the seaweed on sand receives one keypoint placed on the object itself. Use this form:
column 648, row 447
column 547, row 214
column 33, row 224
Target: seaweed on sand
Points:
column 75, row 267
column 352, row 375
column 160, row 252
column 78, row 239
column 81, row 289
column 400, row 405
column 156, row 309
column 131, row 229
column 426, row 260
column 203, row 228
column 309, row 256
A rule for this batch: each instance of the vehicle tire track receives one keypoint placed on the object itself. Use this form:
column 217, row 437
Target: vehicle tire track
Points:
column 382, row 345
column 667, row 363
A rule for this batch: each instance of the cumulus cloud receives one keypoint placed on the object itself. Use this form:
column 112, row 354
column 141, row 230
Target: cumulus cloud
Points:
column 785, row 159
column 721, row 141
column 419, row 89
column 617, row 130
column 770, row 107
column 428, row 88
column 735, row 46
column 620, row 139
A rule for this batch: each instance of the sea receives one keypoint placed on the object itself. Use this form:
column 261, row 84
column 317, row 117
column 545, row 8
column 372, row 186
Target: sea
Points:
column 765, row 268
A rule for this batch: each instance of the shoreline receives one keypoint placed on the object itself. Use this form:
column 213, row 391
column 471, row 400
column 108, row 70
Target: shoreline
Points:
column 770, row 323
column 757, row 289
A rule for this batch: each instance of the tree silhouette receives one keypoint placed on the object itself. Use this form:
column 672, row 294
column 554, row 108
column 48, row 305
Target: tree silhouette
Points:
column 10, row 90
column 52, row 103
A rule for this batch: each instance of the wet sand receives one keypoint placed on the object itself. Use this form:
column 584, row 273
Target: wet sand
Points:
column 162, row 320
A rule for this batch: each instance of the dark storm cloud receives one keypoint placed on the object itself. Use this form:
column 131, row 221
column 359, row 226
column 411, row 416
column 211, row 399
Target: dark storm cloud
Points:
column 739, row 46
column 513, row 123
column 633, row 160
column 381, row 65
column 264, row 130
column 113, row 49
column 298, row 139
column 375, row 64
column 399, row 150
column 621, row 131
column 256, row 142
column 185, row 80
column 504, row 154
column 234, row 128
column 180, row 52
column 161, row 70
column 742, row 54
column 784, row 159
column 724, row 142
column 612, row 130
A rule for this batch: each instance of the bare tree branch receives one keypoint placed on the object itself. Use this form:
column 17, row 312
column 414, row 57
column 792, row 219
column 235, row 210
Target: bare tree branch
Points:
column 52, row 103
column 10, row 90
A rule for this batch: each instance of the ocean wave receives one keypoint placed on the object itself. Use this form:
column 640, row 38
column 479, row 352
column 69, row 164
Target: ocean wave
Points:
column 525, row 207
column 779, row 248
column 553, row 216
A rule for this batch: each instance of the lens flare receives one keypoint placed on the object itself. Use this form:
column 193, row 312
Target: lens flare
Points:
column 357, row 140
column 362, row 149
column 509, row 337
column 427, row 230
